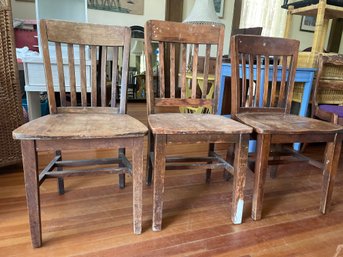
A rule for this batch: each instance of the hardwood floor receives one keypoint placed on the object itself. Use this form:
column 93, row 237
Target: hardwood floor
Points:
column 94, row 217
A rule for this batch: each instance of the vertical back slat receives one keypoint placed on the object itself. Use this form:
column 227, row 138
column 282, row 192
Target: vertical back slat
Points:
column 47, row 68
column 274, row 82
column 114, row 77
column 244, row 79
column 172, row 70
column 161, row 69
column 83, row 76
column 183, row 70
column 266, row 81
column 258, row 80
column 72, row 74
column 103, row 75
column 251, row 80
column 60, row 70
column 93, row 50
column 125, row 71
column 195, row 71
column 283, row 82
column 206, row 71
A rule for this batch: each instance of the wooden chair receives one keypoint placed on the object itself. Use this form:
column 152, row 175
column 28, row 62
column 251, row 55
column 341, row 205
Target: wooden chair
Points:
column 84, row 125
column 266, row 108
column 172, row 128
column 327, row 112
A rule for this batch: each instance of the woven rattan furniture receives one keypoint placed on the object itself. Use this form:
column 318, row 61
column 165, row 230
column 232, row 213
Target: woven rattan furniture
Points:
column 10, row 106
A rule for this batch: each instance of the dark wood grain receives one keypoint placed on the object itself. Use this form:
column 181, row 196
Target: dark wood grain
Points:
column 271, row 120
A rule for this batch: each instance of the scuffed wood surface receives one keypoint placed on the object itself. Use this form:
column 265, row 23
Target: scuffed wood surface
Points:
column 285, row 123
column 85, row 126
column 181, row 123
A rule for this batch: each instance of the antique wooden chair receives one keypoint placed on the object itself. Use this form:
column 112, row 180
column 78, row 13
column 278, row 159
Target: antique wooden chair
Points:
column 328, row 112
column 270, row 65
column 82, row 126
column 168, row 128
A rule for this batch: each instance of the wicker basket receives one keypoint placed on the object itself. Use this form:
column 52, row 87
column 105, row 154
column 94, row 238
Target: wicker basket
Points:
column 10, row 101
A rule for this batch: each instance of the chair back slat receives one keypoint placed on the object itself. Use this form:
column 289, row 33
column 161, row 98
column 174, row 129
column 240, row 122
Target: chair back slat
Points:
column 183, row 70
column 161, row 68
column 271, row 63
column 206, row 71
column 93, row 74
column 84, row 56
column 114, row 76
column 72, row 81
column 195, row 70
column 59, row 60
column 190, row 86
column 83, row 76
column 172, row 70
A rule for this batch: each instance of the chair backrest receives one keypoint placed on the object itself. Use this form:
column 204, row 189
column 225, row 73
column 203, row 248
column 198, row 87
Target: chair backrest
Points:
column 79, row 65
column 247, row 31
column 266, row 83
column 328, row 83
column 169, row 36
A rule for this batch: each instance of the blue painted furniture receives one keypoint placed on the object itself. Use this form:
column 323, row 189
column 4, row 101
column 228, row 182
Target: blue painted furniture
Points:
column 304, row 75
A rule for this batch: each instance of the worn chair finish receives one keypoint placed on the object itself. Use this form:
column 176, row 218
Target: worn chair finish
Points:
column 171, row 128
column 327, row 112
column 266, row 107
column 78, row 124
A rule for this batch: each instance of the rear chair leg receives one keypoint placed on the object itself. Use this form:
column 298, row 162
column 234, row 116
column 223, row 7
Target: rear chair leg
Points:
column 209, row 171
column 60, row 181
column 121, row 152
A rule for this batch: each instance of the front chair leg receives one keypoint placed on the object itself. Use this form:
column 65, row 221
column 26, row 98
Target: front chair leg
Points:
column 240, row 168
column 261, row 165
column 30, row 165
column 159, row 173
column 121, row 152
column 331, row 160
column 137, row 181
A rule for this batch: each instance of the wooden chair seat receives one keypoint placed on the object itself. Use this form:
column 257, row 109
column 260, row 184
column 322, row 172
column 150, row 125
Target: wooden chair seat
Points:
column 281, row 123
column 164, row 123
column 76, row 126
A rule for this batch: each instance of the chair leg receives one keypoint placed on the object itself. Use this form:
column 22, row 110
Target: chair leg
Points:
column 148, row 160
column 332, row 154
column 30, row 165
column 137, row 175
column 261, row 165
column 159, row 174
column 240, row 168
column 274, row 168
column 230, row 158
column 209, row 171
column 60, row 181
column 121, row 152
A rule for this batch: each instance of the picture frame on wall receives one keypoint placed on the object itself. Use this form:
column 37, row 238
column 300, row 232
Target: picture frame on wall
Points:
column 308, row 23
column 219, row 7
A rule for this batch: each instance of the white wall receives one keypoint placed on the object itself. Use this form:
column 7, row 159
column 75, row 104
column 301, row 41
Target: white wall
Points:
column 306, row 38
column 153, row 9
column 23, row 10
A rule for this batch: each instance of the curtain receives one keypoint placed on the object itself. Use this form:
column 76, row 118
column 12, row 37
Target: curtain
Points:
column 264, row 13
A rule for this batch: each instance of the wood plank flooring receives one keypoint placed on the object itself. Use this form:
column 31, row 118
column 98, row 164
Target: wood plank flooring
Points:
column 94, row 217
